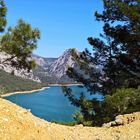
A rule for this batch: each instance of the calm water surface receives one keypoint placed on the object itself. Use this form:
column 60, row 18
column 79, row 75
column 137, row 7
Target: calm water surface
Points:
column 50, row 104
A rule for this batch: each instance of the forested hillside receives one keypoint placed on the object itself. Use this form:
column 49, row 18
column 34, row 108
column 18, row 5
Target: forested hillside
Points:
column 11, row 83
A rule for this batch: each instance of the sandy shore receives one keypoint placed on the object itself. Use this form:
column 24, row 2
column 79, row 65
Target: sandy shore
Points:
column 23, row 92
column 31, row 91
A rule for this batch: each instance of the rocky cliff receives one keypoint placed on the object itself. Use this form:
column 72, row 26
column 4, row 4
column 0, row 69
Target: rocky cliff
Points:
column 42, row 61
column 54, row 66
column 47, row 68
column 17, row 123
column 21, row 73
column 60, row 66
column 53, row 70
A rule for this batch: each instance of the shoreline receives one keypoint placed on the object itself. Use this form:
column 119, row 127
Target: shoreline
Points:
column 36, row 90
column 65, row 85
column 23, row 92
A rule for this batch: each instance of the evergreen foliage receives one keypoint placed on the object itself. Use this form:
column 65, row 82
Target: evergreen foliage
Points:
column 113, row 64
column 18, row 42
column 10, row 83
column 3, row 11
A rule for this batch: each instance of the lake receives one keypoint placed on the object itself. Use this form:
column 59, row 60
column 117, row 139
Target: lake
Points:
column 50, row 104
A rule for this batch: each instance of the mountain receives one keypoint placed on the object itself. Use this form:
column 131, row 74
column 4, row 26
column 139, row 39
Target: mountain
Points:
column 48, row 70
column 42, row 61
column 21, row 73
column 53, row 70
column 41, row 71
column 60, row 66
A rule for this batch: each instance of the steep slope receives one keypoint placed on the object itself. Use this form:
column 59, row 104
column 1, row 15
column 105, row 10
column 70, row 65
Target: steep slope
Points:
column 53, row 70
column 60, row 66
column 17, row 123
column 42, row 61
column 21, row 73
column 41, row 70
column 48, row 70
column 11, row 83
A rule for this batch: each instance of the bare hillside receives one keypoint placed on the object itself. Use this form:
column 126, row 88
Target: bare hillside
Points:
column 17, row 123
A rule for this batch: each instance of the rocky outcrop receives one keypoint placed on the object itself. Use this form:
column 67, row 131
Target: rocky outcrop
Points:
column 47, row 68
column 42, row 61
column 21, row 73
column 17, row 123
column 53, row 70
column 124, row 119
column 60, row 66
column 41, row 70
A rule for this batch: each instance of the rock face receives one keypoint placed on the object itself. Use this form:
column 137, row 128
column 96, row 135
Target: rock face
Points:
column 47, row 68
column 41, row 70
column 124, row 119
column 53, row 70
column 21, row 73
column 60, row 66
column 17, row 123
column 43, row 62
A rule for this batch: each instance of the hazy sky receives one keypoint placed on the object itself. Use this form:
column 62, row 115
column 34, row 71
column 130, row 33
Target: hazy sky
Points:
column 63, row 23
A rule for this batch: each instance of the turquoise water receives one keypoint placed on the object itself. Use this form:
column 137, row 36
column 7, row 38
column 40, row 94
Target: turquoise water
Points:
column 50, row 104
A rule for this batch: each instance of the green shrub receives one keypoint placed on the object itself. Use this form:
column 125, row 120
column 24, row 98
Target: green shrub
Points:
column 124, row 100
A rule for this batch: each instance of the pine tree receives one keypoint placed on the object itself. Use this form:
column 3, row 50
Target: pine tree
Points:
column 3, row 11
column 114, row 62
column 18, row 42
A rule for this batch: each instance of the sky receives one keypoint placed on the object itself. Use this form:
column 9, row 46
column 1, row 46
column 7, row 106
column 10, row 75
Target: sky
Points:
column 63, row 24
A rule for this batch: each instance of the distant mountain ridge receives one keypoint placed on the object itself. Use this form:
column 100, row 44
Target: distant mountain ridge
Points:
column 60, row 66
column 48, row 70
column 21, row 73
column 54, row 68
column 42, row 61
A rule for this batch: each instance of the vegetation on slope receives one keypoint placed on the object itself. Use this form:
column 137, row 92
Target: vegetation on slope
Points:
column 113, row 63
column 17, row 42
column 45, row 78
column 11, row 83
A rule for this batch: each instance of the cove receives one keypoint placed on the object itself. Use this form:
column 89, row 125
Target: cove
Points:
column 50, row 104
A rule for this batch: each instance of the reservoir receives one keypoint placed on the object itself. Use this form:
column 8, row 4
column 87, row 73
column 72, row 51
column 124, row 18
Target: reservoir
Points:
column 51, row 104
